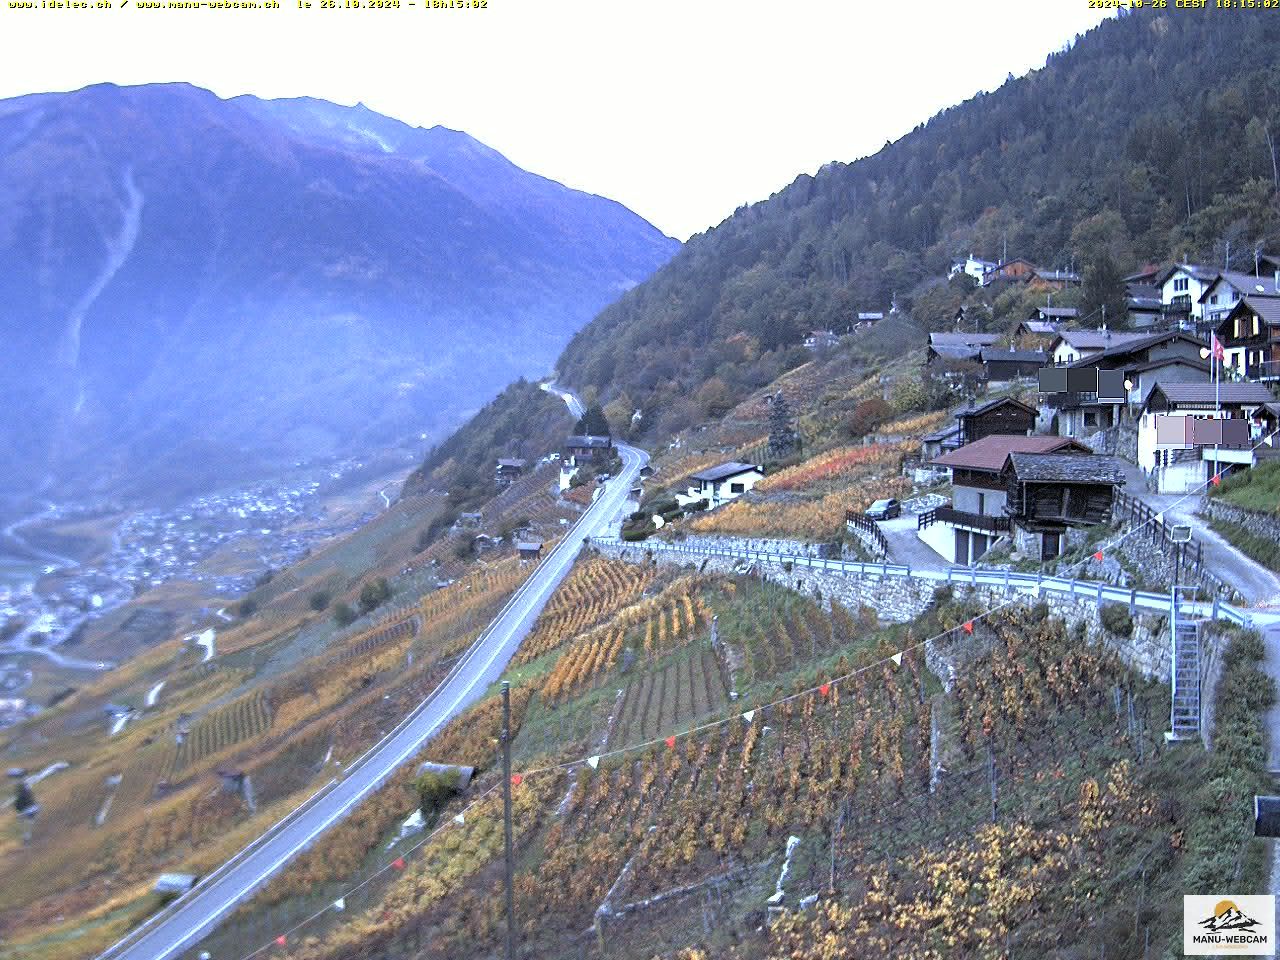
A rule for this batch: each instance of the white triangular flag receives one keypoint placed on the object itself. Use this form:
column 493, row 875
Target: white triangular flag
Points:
column 593, row 762
column 340, row 903
column 1160, row 517
column 748, row 715
column 897, row 658
column 459, row 819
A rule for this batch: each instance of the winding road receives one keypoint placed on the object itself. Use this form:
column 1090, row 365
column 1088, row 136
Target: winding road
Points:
column 186, row 920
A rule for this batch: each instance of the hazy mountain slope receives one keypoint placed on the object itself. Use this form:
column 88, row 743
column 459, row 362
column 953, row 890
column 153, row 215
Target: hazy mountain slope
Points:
column 197, row 288
column 1147, row 139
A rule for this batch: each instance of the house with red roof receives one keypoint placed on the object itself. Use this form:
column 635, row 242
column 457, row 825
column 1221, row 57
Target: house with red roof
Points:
column 982, row 513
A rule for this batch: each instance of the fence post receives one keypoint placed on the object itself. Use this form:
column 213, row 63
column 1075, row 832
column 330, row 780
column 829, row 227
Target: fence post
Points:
column 1133, row 602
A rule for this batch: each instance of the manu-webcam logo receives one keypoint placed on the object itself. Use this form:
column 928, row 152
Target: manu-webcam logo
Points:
column 1229, row 925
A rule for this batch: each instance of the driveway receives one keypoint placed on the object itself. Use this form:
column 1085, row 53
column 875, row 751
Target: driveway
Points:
column 1258, row 585
column 906, row 547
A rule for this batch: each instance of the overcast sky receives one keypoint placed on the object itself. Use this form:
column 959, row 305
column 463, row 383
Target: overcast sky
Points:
column 681, row 110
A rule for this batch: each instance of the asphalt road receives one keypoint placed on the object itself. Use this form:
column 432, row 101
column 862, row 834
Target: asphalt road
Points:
column 195, row 915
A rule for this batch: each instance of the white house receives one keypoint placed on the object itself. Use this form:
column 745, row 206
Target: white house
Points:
column 1072, row 345
column 720, row 484
column 972, row 267
column 1182, row 286
column 1190, row 431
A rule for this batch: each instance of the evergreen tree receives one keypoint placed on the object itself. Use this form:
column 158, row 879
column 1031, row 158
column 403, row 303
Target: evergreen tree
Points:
column 23, row 799
column 1104, row 291
column 592, row 423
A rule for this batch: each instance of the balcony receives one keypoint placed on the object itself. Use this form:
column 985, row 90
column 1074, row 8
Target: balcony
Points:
column 1262, row 370
column 963, row 518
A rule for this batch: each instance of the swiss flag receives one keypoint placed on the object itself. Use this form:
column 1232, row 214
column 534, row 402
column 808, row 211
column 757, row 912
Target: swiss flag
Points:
column 1216, row 346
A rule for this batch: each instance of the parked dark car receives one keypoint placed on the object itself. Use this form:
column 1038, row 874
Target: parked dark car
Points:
column 884, row 509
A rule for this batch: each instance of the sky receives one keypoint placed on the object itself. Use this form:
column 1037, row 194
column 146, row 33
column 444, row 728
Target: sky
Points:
column 682, row 111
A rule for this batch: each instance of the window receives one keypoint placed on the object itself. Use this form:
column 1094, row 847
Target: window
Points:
column 982, row 503
column 1214, row 299
column 737, row 488
column 1235, row 296
column 1180, row 284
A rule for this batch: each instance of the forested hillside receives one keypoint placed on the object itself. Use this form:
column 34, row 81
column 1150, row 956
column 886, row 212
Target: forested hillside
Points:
column 1151, row 138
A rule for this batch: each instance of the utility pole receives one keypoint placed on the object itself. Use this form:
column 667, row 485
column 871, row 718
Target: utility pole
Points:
column 506, row 819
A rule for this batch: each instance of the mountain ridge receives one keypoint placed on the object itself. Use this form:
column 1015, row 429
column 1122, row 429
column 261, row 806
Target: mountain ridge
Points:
column 204, row 287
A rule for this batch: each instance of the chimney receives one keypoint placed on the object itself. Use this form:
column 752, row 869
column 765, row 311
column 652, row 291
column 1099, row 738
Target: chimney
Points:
column 1277, row 281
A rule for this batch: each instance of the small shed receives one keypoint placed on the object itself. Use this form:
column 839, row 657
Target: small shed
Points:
column 529, row 549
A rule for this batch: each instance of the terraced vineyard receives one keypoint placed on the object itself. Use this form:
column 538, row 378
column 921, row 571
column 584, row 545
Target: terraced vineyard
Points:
column 405, row 629
column 240, row 720
column 595, row 590
column 661, row 701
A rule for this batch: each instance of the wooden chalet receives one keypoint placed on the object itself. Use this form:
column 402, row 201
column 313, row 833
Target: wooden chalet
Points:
column 1250, row 337
column 964, row 530
column 1047, row 493
column 1004, row 365
column 1003, row 416
column 508, row 469
column 587, row 448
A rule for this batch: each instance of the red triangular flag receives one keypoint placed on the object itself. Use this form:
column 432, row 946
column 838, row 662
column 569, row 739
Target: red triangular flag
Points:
column 516, row 779
column 671, row 742
column 1215, row 479
column 281, row 940
column 824, row 689
column 1097, row 555
column 398, row 863
column 968, row 626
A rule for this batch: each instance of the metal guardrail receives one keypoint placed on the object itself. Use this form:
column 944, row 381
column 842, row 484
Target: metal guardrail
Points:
column 272, row 831
column 1034, row 583
column 209, row 879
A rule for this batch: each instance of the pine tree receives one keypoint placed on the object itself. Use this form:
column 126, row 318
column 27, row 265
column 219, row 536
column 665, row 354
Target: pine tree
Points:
column 782, row 434
column 592, row 423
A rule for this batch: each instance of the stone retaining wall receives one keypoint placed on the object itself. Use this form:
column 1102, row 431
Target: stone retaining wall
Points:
column 1262, row 524
column 801, row 548
column 901, row 599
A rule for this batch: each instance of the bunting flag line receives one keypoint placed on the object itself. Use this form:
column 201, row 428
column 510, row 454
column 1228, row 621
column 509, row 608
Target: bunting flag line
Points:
column 824, row 689
column 1097, row 555
column 398, row 863
column 749, row 715
column 1216, row 479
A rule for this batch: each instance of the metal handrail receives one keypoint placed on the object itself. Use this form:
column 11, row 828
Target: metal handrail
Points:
column 1035, row 583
